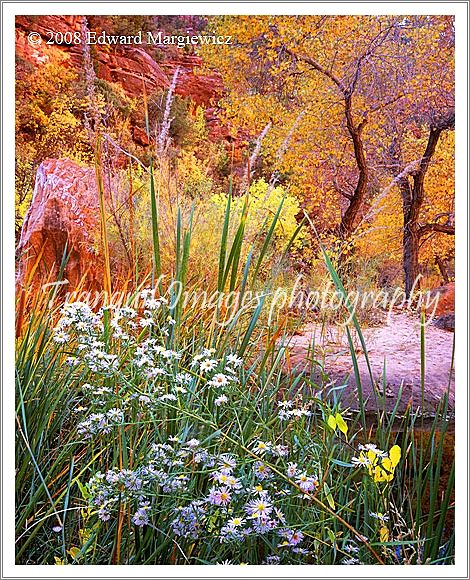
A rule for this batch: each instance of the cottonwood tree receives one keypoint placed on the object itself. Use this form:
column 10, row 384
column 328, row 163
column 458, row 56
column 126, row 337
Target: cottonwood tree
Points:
column 416, row 130
column 360, row 81
column 328, row 67
column 412, row 189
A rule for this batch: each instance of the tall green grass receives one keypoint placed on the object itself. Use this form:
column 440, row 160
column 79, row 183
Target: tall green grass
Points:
column 55, row 523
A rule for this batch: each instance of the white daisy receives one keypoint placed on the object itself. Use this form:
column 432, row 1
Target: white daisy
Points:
column 207, row 365
column 220, row 400
column 219, row 380
column 258, row 508
column 235, row 522
column 379, row 516
column 261, row 447
column 234, row 360
column 291, row 469
column 61, row 337
column 362, row 461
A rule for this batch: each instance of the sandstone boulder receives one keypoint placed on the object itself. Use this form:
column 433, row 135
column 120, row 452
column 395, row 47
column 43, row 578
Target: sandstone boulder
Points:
column 444, row 316
column 446, row 304
column 63, row 217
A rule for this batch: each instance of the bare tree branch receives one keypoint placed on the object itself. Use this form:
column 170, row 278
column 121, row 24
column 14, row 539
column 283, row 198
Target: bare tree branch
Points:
column 441, row 228
column 318, row 67
column 114, row 144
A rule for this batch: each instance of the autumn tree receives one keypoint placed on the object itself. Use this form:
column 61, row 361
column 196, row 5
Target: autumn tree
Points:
column 415, row 130
column 412, row 189
column 357, row 82
column 328, row 67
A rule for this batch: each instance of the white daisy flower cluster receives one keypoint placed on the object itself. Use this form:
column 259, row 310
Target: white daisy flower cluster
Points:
column 124, row 323
column 164, row 473
column 307, row 483
column 287, row 411
column 162, row 375
column 367, row 451
column 379, row 516
column 160, row 381
column 100, row 423
column 351, row 548
column 351, row 562
column 243, row 511
column 153, row 360
column 79, row 322
column 112, row 406
column 79, row 318
column 372, row 447
column 219, row 373
column 234, row 497
column 154, row 310
column 99, row 396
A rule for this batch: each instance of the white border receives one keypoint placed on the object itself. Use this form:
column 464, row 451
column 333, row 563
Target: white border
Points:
column 10, row 10
column 212, row 8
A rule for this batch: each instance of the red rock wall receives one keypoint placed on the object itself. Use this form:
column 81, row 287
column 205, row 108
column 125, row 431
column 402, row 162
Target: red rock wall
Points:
column 65, row 205
column 123, row 64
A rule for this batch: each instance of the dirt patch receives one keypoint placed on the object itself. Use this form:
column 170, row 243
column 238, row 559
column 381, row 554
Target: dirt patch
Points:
column 397, row 345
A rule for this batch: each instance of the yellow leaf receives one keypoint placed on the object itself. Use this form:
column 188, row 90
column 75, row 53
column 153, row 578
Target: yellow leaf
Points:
column 395, row 455
column 384, row 535
column 372, row 457
column 342, row 426
column 58, row 561
column 381, row 474
column 387, row 464
column 73, row 551
column 378, row 474
column 332, row 422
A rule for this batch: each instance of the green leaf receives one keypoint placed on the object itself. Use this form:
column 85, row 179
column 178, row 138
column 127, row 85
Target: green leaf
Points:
column 329, row 496
column 331, row 535
column 342, row 463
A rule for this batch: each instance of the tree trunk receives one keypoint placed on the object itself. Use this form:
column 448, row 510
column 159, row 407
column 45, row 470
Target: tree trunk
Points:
column 410, row 258
column 412, row 198
column 410, row 235
column 442, row 269
column 356, row 198
column 348, row 221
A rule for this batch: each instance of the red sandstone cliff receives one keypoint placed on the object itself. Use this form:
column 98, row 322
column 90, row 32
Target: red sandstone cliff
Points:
column 64, row 211
column 124, row 64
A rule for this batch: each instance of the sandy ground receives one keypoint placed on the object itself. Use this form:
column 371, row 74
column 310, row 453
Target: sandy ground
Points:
column 397, row 342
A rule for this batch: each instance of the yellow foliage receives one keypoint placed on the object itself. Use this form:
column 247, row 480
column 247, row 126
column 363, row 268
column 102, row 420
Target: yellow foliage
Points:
column 384, row 534
column 332, row 422
column 263, row 203
column 381, row 466
column 396, row 94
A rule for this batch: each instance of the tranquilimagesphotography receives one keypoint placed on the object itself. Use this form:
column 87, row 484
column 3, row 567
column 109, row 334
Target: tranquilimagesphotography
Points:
column 235, row 286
